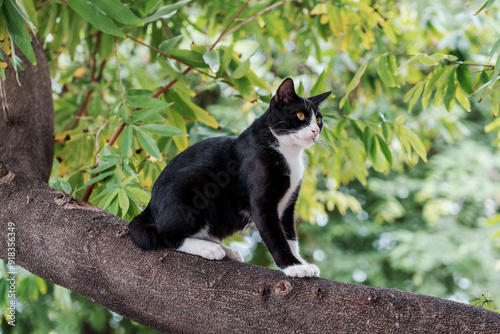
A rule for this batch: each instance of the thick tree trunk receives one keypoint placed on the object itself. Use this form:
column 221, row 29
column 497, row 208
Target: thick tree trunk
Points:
column 27, row 117
column 87, row 250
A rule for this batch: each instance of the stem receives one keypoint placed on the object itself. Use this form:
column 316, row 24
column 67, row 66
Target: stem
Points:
column 265, row 10
column 223, row 34
column 118, row 70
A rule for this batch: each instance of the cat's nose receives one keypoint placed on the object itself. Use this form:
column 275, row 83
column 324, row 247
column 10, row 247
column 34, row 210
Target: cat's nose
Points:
column 315, row 131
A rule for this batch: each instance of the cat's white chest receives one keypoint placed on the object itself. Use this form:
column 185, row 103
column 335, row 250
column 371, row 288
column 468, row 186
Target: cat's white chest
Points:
column 294, row 157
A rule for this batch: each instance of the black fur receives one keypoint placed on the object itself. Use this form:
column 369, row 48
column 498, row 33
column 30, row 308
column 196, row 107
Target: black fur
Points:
column 226, row 183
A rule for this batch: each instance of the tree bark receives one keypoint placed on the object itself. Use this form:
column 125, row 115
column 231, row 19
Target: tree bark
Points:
column 87, row 250
column 27, row 117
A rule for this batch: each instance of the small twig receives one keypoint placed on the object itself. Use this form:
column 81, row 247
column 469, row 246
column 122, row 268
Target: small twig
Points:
column 222, row 35
column 97, row 139
column 265, row 10
column 118, row 70
column 41, row 4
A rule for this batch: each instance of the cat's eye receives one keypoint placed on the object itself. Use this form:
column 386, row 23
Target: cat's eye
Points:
column 318, row 120
column 301, row 116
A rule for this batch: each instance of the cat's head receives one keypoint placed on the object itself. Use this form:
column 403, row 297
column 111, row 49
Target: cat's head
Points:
column 295, row 120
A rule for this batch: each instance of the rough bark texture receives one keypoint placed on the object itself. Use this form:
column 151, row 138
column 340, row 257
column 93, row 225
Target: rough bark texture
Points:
column 27, row 117
column 87, row 250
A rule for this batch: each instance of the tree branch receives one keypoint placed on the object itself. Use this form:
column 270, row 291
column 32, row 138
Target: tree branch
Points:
column 87, row 250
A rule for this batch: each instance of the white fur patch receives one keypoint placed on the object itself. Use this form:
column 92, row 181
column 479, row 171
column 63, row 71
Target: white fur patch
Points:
column 233, row 253
column 203, row 234
column 206, row 249
column 294, row 247
column 292, row 146
column 302, row 270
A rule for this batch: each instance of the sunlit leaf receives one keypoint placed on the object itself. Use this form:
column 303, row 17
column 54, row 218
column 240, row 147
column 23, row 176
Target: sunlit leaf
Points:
column 385, row 149
column 163, row 130
column 123, row 201
column 357, row 77
column 383, row 71
column 166, row 12
column 188, row 57
column 464, row 79
column 148, row 144
column 165, row 46
column 241, row 70
column 95, row 17
column 449, row 97
column 117, row 11
column 211, row 58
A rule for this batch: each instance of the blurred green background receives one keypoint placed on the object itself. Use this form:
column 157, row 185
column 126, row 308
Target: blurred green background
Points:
column 403, row 193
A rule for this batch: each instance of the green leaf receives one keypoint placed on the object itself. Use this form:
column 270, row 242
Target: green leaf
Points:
column 357, row 130
column 385, row 149
column 449, row 96
column 318, row 85
column 150, row 115
column 148, row 144
column 127, row 141
column 165, row 46
column 14, row 23
column 367, row 139
column 98, row 178
column 101, row 167
column 383, row 71
column 418, row 91
column 373, row 149
column 118, row 12
column 357, row 77
column 495, row 74
column 106, row 201
column 123, row 201
column 128, row 180
column 138, row 194
column 211, row 58
column 429, row 86
column 340, row 126
column 166, row 11
column 246, row 89
column 176, row 119
column 241, row 70
column 192, row 58
column 416, row 143
column 163, row 130
column 146, row 102
column 462, row 99
column 227, row 55
column 464, row 79
column 494, row 48
column 427, row 60
column 494, row 102
column 385, row 130
column 95, row 17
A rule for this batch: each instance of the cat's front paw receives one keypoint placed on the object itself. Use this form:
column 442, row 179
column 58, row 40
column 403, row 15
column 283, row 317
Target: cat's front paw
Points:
column 302, row 270
column 233, row 253
column 206, row 249
column 212, row 251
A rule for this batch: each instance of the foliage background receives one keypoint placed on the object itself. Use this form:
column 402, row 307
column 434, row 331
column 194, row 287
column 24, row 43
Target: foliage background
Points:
column 404, row 190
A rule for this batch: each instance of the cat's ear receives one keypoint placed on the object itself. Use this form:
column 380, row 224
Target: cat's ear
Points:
column 285, row 92
column 317, row 99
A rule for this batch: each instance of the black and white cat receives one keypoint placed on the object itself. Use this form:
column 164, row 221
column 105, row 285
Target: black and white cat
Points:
column 222, row 185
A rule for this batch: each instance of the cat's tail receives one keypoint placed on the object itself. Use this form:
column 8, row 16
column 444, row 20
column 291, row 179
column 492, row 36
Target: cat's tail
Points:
column 142, row 230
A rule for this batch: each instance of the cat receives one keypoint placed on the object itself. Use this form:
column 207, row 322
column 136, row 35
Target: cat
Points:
column 223, row 185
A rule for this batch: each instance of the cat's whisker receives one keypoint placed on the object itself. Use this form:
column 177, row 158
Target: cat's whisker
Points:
column 324, row 145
